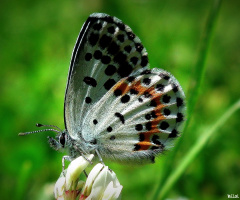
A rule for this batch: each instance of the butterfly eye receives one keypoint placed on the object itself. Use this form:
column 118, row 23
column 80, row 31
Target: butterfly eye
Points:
column 62, row 139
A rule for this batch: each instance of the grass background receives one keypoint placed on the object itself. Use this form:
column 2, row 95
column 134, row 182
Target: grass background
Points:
column 37, row 38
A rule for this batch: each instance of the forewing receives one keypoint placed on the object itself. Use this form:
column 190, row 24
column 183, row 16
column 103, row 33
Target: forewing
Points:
column 105, row 52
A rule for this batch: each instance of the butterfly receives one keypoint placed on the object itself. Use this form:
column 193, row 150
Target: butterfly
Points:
column 115, row 105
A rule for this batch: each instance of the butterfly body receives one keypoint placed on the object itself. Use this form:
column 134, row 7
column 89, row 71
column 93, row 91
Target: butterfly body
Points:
column 114, row 103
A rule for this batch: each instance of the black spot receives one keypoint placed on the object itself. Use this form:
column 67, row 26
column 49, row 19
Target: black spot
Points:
column 134, row 60
column 90, row 81
column 140, row 100
column 166, row 111
column 153, row 103
column 93, row 38
column 120, row 37
column 139, row 47
column 174, row 88
column 94, row 141
column 120, row 58
column 155, row 140
column 124, row 69
column 147, row 95
column 164, row 125
column 179, row 117
column 111, row 29
column 155, row 147
column 97, row 26
column 108, row 19
column 144, row 61
column 97, row 54
column 120, row 116
column 164, row 76
column 138, row 127
column 110, row 70
column 166, row 98
column 117, row 92
column 95, row 121
column 125, row 98
column 147, row 71
column 109, row 129
column 179, row 101
column 141, row 137
column 113, row 48
column 147, row 116
column 137, row 147
column 128, row 48
column 173, row 134
column 131, row 35
column 105, row 41
column 148, row 126
column 109, row 83
column 153, row 114
column 88, row 56
column 146, row 81
column 131, row 79
column 106, row 59
column 113, row 137
column 133, row 91
column 121, row 26
column 88, row 100
column 160, row 87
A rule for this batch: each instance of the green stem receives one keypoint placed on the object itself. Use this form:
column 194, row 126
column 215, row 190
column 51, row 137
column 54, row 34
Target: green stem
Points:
column 200, row 68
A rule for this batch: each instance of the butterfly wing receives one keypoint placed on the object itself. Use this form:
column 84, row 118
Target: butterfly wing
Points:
column 138, row 118
column 105, row 52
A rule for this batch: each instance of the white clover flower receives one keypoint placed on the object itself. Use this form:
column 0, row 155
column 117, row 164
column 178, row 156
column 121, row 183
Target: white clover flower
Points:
column 101, row 183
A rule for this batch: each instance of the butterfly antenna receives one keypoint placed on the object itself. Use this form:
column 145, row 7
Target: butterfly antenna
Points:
column 42, row 125
column 50, row 129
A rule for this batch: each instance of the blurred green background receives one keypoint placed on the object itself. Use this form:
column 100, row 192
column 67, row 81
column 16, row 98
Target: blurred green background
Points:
column 36, row 41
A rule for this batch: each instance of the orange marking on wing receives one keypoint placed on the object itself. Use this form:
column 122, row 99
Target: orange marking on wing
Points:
column 138, row 87
column 144, row 145
column 156, row 121
column 123, row 86
column 148, row 134
column 118, row 84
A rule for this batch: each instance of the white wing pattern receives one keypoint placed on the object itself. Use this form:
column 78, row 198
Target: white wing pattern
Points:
column 114, row 102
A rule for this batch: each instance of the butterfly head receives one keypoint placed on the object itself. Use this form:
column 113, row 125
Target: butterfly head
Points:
column 61, row 140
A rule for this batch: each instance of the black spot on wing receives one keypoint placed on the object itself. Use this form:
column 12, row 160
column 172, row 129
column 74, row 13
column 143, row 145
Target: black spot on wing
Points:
column 93, row 39
column 105, row 41
column 90, row 81
column 109, row 83
column 113, row 48
column 120, row 116
column 139, row 127
column 164, row 125
column 125, row 98
column 110, row 70
column 88, row 100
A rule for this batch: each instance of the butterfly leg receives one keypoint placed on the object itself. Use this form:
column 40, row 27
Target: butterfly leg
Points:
column 99, row 156
column 69, row 158
column 81, row 153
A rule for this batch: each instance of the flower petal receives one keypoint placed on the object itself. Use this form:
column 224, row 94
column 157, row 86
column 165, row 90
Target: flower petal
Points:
column 112, row 192
column 59, row 188
column 75, row 168
column 91, row 178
